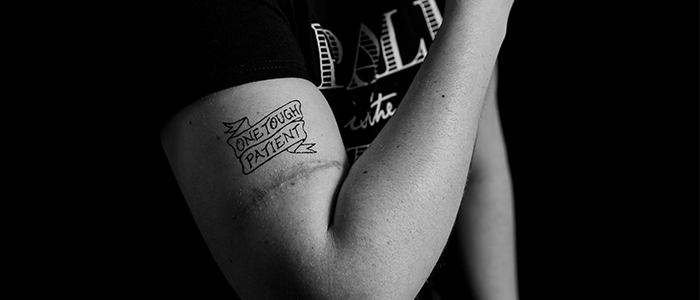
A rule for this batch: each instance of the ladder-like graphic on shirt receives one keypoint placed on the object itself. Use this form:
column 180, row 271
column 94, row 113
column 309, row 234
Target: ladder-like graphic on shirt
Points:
column 336, row 46
column 330, row 52
column 432, row 15
column 367, row 60
column 368, row 43
column 390, row 49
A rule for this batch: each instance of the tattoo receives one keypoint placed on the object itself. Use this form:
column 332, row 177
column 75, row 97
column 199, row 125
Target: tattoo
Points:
column 282, row 129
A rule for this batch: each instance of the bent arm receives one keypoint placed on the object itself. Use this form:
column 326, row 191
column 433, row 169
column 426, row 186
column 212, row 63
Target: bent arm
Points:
column 283, row 214
column 399, row 200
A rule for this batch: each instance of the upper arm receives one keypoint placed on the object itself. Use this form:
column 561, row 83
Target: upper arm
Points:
column 259, row 165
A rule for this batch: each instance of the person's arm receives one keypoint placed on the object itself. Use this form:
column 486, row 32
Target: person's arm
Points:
column 283, row 214
column 485, row 225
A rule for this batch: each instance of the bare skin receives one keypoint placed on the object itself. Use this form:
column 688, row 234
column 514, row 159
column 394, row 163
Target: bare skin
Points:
column 290, row 223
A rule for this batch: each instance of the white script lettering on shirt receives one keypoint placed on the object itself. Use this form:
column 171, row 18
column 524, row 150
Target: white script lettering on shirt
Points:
column 375, row 116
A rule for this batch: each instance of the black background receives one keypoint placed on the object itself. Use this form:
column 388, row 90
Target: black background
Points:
column 599, row 105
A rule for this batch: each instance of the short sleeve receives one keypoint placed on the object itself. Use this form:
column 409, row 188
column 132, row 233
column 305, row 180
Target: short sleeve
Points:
column 229, row 43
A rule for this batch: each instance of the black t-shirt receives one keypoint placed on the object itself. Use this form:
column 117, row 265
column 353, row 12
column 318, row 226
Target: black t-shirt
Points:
column 362, row 55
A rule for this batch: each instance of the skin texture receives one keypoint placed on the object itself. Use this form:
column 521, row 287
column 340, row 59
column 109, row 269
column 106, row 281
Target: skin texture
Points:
column 303, row 224
column 485, row 225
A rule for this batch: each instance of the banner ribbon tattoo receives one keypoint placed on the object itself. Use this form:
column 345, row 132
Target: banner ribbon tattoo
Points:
column 281, row 130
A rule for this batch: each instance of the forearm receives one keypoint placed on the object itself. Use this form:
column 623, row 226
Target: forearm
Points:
column 486, row 235
column 485, row 226
column 399, row 200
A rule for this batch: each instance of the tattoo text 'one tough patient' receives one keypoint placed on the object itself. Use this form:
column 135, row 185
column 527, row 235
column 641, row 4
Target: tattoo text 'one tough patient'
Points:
column 282, row 129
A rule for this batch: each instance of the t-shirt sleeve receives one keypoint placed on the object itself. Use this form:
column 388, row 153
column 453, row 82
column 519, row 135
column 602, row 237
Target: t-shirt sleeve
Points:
column 236, row 42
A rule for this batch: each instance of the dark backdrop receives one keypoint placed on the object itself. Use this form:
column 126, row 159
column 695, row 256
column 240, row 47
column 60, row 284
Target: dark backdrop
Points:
column 599, row 105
